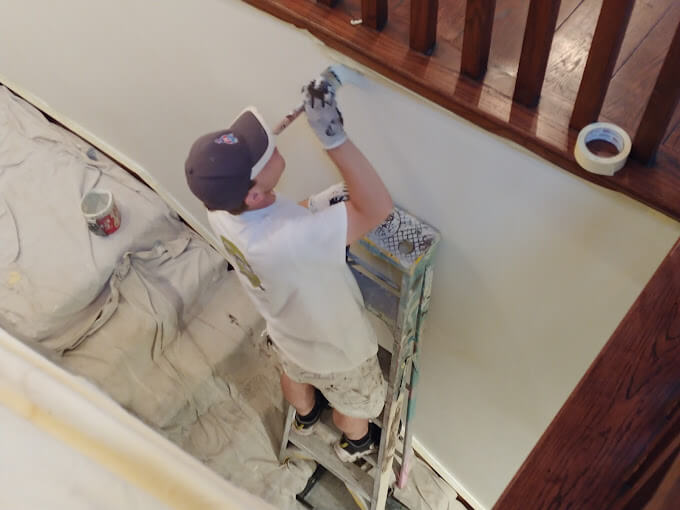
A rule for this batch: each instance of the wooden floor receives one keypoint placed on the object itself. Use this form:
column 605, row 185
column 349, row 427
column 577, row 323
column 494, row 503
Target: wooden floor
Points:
column 649, row 34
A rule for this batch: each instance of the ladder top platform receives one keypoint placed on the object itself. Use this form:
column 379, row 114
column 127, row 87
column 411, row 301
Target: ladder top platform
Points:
column 402, row 239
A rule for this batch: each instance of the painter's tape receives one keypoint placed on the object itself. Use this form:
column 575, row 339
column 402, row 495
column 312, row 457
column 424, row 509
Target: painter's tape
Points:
column 604, row 165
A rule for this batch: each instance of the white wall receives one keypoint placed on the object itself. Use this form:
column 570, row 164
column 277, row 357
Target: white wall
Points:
column 537, row 267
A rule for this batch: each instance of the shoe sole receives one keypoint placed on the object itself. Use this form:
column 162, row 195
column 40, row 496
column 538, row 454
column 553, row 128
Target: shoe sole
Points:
column 352, row 457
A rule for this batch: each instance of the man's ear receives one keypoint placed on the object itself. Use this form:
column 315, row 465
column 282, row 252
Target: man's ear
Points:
column 254, row 197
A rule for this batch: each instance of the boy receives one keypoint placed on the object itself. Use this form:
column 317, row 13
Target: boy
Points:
column 291, row 262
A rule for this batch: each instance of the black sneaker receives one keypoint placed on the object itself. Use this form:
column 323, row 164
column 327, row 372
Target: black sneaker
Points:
column 348, row 450
column 304, row 425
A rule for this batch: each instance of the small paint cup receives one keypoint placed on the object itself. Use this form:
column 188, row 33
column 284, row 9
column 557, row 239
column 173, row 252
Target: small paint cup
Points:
column 100, row 211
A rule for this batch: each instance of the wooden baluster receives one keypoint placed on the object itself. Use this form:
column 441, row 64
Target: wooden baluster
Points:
column 604, row 50
column 661, row 106
column 423, row 32
column 374, row 13
column 477, row 37
column 538, row 36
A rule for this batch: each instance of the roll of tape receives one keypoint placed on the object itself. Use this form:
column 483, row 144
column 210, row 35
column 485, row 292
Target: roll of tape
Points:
column 604, row 165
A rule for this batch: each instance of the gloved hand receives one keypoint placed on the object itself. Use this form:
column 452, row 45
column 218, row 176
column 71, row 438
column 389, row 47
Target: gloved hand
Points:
column 323, row 114
column 328, row 197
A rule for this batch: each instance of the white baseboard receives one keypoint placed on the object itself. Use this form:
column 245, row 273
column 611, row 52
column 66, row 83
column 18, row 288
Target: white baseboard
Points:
column 438, row 467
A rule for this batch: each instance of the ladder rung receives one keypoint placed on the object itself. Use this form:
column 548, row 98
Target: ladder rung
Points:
column 319, row 446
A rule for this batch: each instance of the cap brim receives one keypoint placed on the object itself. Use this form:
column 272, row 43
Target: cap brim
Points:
column 254, row 131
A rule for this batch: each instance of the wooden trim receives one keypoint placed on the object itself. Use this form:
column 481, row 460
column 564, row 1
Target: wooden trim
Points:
column 604, row 50
column 624, row 410
column 661, row 105
column 329, row 3
column 479, row 16
column 374, row 13
column 538, row 36
column 423, row 25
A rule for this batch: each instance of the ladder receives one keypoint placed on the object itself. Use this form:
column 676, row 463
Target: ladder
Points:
column 393, row 267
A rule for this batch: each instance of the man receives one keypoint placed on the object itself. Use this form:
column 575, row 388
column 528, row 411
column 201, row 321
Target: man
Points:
column 291, row 262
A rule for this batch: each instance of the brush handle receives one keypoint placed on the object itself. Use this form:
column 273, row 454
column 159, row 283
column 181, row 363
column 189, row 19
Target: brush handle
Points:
column 336, row 76
column 288, row 119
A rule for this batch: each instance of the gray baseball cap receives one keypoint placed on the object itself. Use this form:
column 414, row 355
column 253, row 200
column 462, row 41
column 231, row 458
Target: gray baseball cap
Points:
column 221, row 165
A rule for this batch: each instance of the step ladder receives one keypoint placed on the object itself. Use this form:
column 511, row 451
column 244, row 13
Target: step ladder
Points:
column 393, row 267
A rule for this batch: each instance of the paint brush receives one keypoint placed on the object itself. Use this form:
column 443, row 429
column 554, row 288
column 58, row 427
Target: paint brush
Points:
column 337, row 75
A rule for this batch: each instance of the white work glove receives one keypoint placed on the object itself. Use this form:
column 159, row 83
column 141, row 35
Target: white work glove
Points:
column 328, row 197
column 323, row 114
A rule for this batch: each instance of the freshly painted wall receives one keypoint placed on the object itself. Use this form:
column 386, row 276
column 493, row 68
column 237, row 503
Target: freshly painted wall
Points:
column 537, row 266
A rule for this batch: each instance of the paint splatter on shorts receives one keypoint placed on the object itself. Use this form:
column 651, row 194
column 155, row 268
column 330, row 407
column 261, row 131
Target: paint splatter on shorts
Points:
column 359, row 393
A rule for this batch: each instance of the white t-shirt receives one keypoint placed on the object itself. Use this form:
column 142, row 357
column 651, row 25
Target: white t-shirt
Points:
column 292, row 264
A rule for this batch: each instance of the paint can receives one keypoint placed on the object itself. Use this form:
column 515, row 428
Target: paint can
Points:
column 100, row 211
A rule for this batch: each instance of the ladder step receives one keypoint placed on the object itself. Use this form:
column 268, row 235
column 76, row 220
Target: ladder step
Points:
column 319, row 446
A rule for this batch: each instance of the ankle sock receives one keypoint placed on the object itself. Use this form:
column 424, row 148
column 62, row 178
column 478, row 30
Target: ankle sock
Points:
column 360, row 442
column 311, row 416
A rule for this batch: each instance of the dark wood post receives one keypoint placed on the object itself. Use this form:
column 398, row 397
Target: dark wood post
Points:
column 661, row 105
column 477, row 37
column 423, row 31
column 604, row 50
column 538, row 36
column 374, row 13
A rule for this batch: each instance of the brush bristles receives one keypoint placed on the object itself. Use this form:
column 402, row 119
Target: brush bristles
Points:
column 332, row 77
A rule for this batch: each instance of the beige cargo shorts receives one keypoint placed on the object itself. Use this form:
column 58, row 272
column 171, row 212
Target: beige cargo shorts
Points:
column 359, row 393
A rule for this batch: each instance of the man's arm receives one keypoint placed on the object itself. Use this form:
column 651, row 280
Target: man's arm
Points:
column 369, row 201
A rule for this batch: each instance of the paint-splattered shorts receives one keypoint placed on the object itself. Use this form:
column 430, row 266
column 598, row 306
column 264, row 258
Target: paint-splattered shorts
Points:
column 359, row 393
